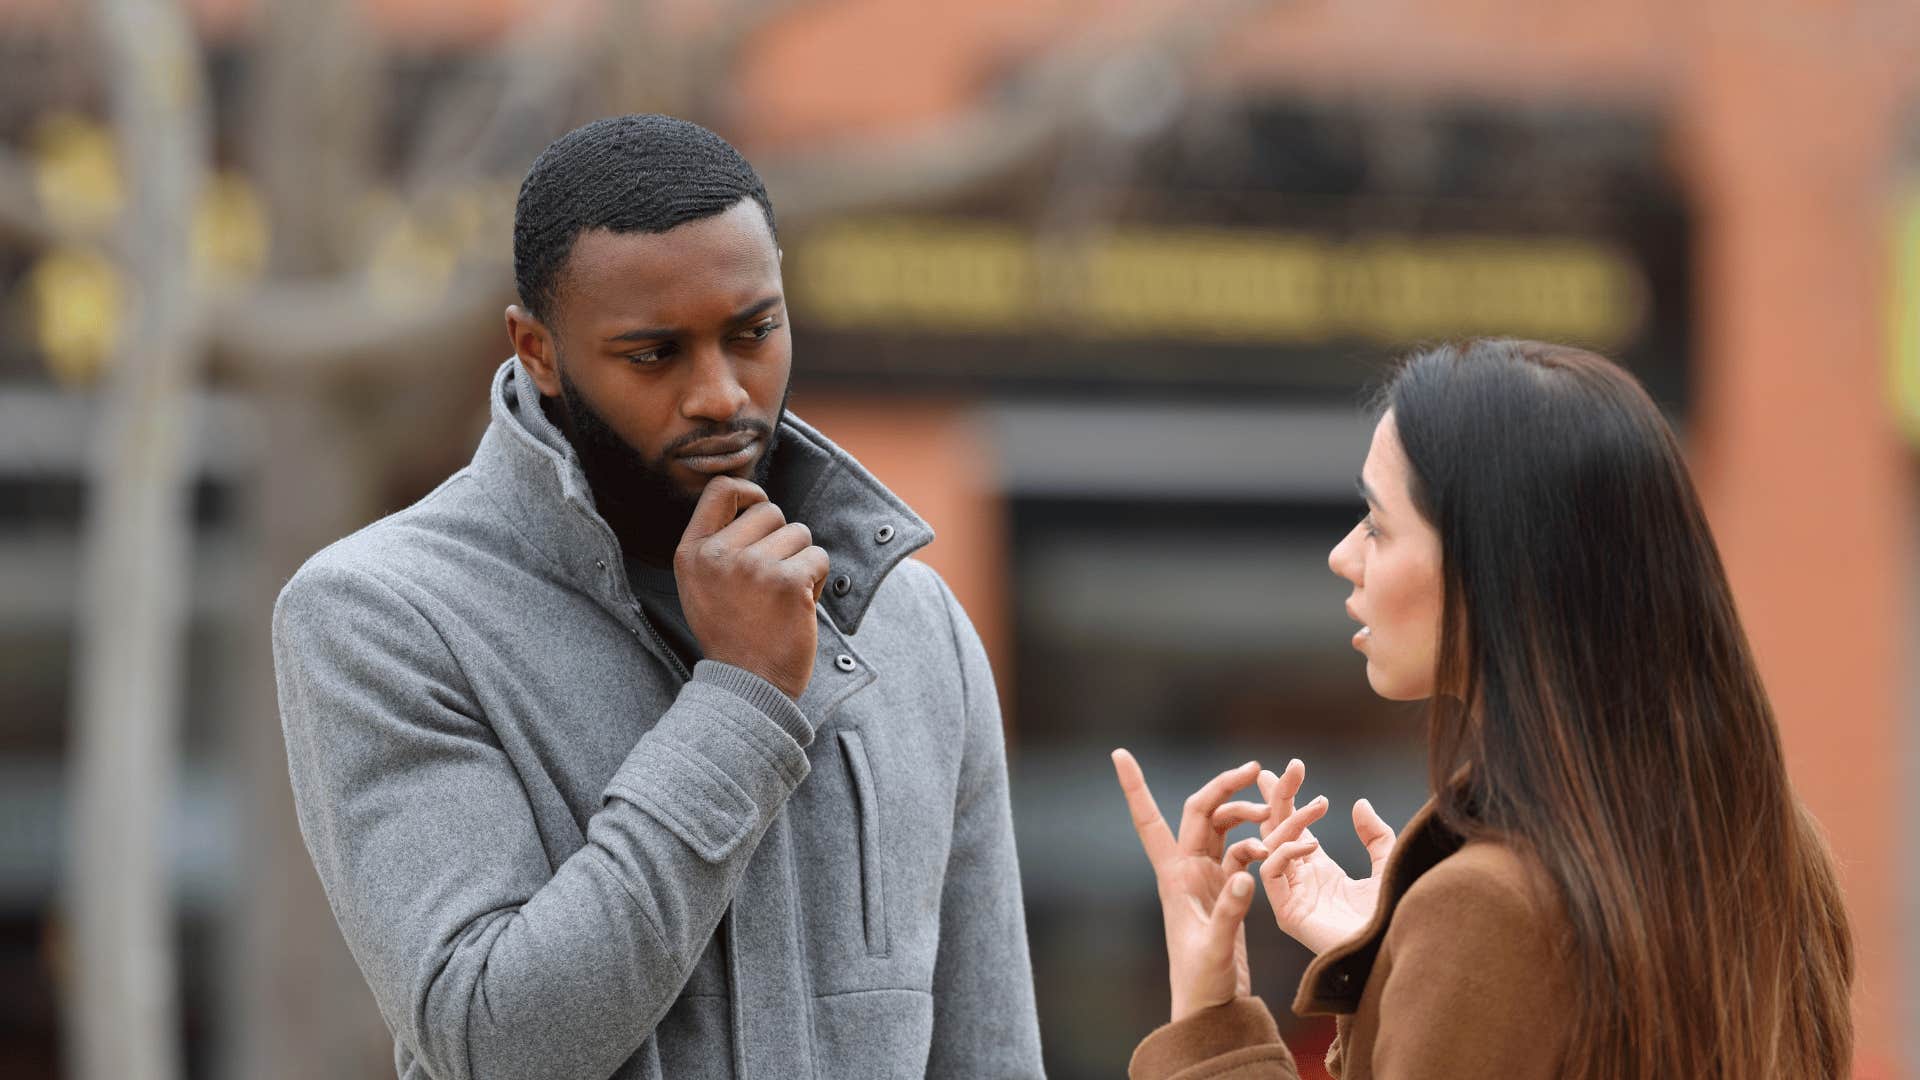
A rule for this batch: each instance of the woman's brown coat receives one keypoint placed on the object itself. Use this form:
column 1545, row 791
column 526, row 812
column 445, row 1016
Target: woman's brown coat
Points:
column 1463, row 972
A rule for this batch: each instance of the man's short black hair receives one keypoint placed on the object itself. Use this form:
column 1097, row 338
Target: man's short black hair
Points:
column 644, row 173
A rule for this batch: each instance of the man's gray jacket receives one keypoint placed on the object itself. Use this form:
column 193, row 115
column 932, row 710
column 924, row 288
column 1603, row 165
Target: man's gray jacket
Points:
column 555, row 852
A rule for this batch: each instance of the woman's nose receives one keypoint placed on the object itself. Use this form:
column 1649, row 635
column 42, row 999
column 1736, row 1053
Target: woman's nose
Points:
column 1343, row 559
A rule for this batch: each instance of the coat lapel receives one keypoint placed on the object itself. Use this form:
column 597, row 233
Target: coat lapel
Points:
column 1335, row 979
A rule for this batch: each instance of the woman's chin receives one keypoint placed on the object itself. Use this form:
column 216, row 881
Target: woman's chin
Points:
column 1387, row 685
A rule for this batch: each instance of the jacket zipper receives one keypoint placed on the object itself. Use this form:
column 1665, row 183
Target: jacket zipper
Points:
column 617, row 566
column 660, row 643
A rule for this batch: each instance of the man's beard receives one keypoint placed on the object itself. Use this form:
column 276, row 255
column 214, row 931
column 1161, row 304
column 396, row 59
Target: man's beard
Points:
column 636, row 494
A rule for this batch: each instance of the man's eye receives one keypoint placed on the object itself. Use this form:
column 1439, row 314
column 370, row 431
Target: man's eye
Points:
column 763, row 331
column 649, row 357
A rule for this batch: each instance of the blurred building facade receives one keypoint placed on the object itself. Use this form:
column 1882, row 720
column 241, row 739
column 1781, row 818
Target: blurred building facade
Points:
column 1098, row 288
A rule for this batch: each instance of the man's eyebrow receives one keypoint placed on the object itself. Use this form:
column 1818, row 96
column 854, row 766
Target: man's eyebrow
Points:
column 758, row 307
column 655, row 333
column 645, row 333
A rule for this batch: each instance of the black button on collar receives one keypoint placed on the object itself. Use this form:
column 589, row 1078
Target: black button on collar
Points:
column 842, row 585
column 843, row 662
column 885, row 534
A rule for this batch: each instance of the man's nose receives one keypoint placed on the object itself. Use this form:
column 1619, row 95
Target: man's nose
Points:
column 714, row 392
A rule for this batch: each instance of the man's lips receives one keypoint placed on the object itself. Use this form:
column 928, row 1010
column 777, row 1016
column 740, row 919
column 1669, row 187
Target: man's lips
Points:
column 721, row 454
column 718, row 444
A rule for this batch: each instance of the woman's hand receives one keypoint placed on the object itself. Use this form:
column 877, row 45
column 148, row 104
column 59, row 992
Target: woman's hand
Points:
column 1204, row 895
column 1314, row 900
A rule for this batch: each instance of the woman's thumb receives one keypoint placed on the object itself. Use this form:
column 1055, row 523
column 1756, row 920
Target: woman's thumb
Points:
column 1375, row 834
column 1230, row 908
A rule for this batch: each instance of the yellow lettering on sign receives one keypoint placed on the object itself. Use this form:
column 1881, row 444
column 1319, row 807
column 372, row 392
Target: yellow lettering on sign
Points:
column 1246, row 286
column 954, row 276
column 1194, row 283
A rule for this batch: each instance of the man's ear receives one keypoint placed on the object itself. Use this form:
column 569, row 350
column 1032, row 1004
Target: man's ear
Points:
column 533, row 343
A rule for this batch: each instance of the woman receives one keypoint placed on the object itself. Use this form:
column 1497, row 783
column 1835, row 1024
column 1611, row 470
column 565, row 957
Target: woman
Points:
column 1613, row 878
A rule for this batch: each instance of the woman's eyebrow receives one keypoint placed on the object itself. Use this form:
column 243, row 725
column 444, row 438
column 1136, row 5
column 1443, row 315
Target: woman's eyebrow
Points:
column 1366, row 493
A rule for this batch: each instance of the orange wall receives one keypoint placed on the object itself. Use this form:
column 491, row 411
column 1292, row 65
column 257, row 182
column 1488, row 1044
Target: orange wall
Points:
column 1806, row 480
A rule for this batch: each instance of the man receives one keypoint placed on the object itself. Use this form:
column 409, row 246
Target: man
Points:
column 640, row 748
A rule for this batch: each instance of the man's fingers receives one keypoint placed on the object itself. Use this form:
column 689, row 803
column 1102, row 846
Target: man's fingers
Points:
column 1196, row 829
column 756, row 520
column 1239, row 855
column 720, row 502
column 1377, row 836
column 1155, row 837
column 814, row 564
column 784, row 542
column 755, row 523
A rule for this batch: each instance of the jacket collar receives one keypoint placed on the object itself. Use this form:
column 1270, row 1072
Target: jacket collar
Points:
column 527, row 466
column 1334, row 980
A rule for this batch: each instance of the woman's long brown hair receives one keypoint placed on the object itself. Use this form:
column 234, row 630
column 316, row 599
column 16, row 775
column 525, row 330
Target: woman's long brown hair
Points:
column 1602, row 704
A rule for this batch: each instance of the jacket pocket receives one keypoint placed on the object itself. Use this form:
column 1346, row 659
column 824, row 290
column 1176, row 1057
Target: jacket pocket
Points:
column 867, row 816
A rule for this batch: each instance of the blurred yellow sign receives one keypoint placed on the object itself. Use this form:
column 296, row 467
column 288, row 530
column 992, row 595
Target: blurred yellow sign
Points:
column 1229, row 285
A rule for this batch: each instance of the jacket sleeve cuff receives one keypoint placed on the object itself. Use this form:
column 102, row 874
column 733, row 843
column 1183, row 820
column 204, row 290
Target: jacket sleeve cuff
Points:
column 1223, row 1038
column 769, row 699
column 720, row 763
